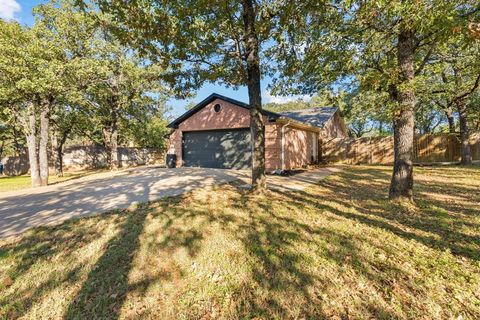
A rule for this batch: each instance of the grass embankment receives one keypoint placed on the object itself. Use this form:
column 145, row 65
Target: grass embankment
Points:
column 337, row 250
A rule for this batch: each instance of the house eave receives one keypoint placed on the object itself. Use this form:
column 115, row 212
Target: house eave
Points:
column 297, row 124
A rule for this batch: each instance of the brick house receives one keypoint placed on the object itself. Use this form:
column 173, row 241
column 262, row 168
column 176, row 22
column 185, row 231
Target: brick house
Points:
column 216, row 134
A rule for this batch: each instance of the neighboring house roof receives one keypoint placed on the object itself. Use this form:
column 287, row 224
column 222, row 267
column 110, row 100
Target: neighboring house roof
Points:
column 210, row 99
column 316, row 117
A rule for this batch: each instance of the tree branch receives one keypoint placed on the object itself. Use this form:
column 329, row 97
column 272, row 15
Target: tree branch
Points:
column 474, row 87
column 424, row 61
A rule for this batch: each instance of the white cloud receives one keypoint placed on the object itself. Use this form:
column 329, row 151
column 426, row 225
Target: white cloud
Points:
column 281, row 99
column 8, row 8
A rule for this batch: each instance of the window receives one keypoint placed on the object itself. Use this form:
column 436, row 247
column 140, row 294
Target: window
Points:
column 217, row 107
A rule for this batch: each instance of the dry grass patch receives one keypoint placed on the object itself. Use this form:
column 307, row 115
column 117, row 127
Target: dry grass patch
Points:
column 337, row 250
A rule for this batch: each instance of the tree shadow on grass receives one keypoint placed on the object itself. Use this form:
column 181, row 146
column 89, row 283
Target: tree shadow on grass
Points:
column 358, row 195
column 45, row 242
column 38, row 247
column 346, row 250
column 278, row 268
column 276, row 272
column 285, row 279
column 103, row 292
column 372, row 208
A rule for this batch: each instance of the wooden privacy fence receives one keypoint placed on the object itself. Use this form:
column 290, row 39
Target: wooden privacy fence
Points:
column 428, row 148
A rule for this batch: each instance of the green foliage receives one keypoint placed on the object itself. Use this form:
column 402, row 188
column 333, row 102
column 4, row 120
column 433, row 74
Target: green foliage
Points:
column 455, row 73
column 32, row 66
column 124, row 91
column 352, row 45
column 429, row 118
column 324, row 98
column 68, row 57
column 190, row 105
column 11, row 139
column 150, row 133
column 287, row 106
column 196, row 42
column 367, row 113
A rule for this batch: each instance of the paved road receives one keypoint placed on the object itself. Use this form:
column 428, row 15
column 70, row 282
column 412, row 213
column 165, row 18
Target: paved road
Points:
column 24, row 209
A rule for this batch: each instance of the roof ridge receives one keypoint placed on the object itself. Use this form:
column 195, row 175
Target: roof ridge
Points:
column 309, row 108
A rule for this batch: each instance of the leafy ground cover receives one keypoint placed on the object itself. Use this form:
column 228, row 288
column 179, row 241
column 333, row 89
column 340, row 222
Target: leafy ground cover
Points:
column 337, row 250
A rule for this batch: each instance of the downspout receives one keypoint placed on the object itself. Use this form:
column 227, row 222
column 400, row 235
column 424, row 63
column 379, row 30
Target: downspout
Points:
column 283, row 145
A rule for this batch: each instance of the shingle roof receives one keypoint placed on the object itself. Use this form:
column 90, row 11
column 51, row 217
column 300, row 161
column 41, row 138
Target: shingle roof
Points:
column 316, row 117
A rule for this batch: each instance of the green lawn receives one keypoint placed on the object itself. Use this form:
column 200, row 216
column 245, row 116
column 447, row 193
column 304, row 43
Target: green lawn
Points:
column 338, row 250
column 12, row 183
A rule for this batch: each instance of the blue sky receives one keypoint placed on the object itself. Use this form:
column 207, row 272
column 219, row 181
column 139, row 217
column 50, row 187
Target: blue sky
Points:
column 21, row 10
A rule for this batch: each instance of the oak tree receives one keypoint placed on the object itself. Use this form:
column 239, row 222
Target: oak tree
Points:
column 207, row 41
column 381, row 46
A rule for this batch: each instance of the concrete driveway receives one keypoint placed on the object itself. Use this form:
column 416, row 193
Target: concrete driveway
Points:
column 24, row 209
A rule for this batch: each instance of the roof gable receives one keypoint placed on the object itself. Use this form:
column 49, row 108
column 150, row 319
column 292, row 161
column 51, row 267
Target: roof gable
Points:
column 210, row 99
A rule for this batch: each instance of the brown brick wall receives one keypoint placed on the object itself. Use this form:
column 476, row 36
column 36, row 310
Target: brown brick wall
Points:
column 334, row 128
column 298, row 147
column 230, row 117
column 273, row 150
column 298, row 142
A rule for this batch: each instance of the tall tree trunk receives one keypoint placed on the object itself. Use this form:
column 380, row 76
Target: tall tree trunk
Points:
column 464, row 133
column 114, row 146
column 53, row 150
column 401, row 186
column 107, row 144
column 255, row 98
column 57, row 153
column 16, row 136
column 31, row 137
column 1, row 149
column 43, row 145
column 110, row 138
column 450, row 119
column 59, row 160
column 63, row 140
column 58, row 150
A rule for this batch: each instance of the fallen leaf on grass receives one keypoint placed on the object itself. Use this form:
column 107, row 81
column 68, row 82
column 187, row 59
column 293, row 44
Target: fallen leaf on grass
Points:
column 7, row 282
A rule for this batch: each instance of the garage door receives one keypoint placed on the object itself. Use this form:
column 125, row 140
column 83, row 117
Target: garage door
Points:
column 229, row 149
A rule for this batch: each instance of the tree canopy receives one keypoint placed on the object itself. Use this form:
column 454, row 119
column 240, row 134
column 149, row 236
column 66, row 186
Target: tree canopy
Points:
column 102, row 70
column 67, row 77
column 380, row 47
